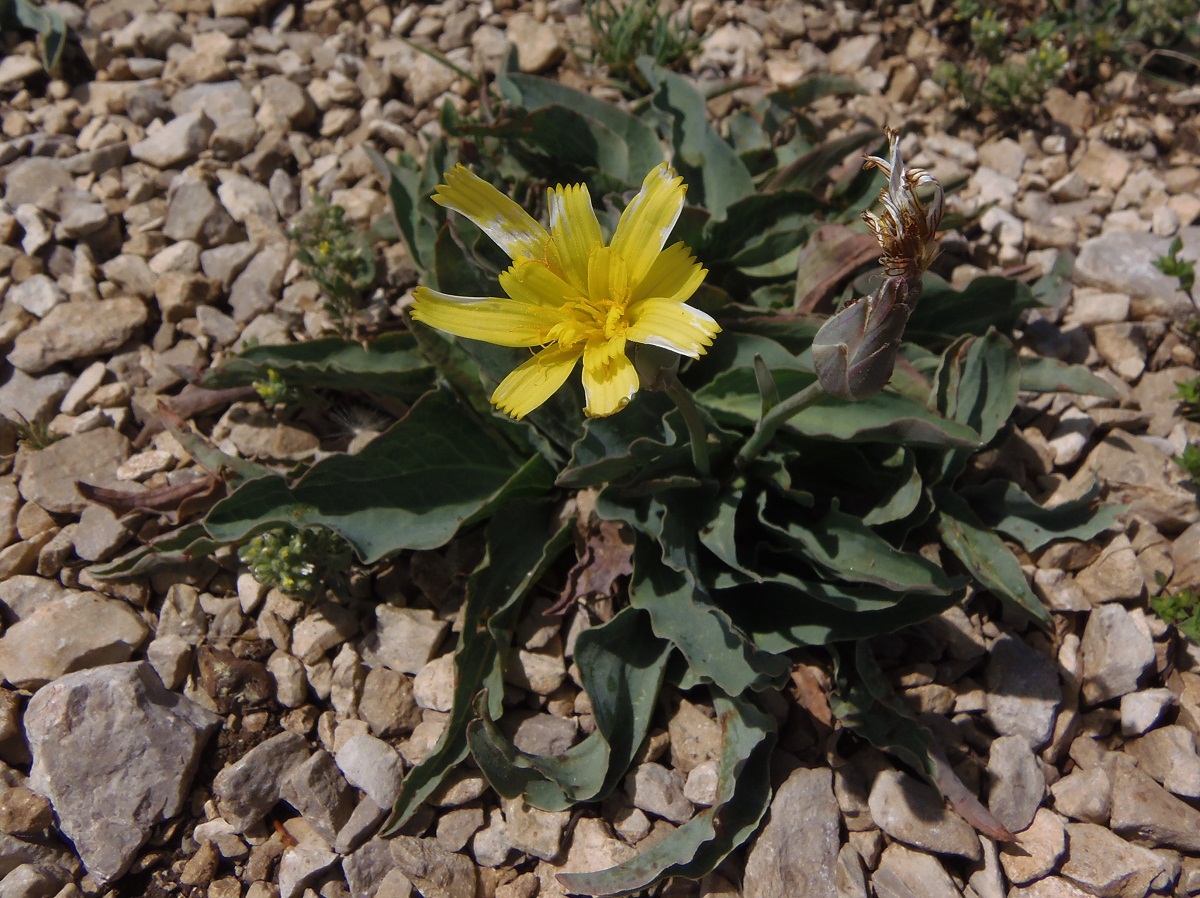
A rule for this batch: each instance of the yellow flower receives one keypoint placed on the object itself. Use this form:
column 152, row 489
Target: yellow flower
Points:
column 572, row 295
column 907, row 228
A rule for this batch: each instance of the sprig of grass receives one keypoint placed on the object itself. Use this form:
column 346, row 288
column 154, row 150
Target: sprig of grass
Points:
column 621, row 32
column 34, row 435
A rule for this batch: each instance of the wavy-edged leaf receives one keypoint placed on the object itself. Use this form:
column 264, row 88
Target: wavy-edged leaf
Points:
column 698, row 846
column 412, row 487
column 984, row 554
column 715, row 175
column 178, row 547
column 521, row 546
column 391, row 366
column 1004, row 506
column 667, row 584
column 985, row 302
column 622, row 666
column 842, row 546
column 1043, row 374
column 642, row 149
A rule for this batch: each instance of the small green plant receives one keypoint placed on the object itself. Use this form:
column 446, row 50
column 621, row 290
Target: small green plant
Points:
column 1180, row 608
column 1016, row 85
column 1183, row 270
column 302, row 563
column 338, row 259
column 34, row 434
column 1188, row 394
column 272, row 390
column 1189, row 460
column 1012, row 62
column 623, row 31
column 47, row 23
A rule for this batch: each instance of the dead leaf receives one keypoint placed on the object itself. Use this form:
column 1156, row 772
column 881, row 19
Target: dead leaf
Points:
column 167, row 499
column 604, row 554
column 191, row 401
column 810, row 689
column 831, row 257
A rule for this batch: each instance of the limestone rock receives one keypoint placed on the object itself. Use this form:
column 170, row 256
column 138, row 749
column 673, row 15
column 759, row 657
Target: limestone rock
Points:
column 1105, row 865
column 1023, row 691
column 795, row 853
column 912, row 812
column 1116, row 653
column 115, row 753
column 50, row 475
column 1018, row 784
column 176, row 143
column 247, row 789
column 73, row 631
column 77, row 330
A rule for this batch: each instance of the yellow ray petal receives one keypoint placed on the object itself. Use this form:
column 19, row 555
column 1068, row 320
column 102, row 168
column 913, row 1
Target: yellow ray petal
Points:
column 533, row 382
column 574, row 231
column 675, row 275
column 672, row 325
column 609, row 378
column 504, row 322
column 534, row 283
column 510, row 226
column 608, row 286
column 647, row 220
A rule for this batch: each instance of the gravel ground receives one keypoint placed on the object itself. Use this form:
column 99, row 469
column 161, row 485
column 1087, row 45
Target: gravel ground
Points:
column 195, row 734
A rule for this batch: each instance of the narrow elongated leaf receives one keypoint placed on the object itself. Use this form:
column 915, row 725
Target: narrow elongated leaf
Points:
column 407, row 191
column 781, row 616
column 978, row 382
column 390, row 366
column 1004, row 506
column 865, row 702
column 1048, row 375
column 682, row 611
column 179, row 547
column 412, row 487
column 643, row 150
column 985, row 302
column 698, row 846
column 715, row 176
column 984, row 554
column 842, row 546
column 521, row 546
column 622, row 666
column 887, row 417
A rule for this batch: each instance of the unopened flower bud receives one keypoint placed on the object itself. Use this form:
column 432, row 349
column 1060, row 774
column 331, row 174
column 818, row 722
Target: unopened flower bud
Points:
column 854, row 352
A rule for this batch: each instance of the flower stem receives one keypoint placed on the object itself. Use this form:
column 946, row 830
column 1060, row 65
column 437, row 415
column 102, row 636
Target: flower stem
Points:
column 697, row 432
column 776, row 418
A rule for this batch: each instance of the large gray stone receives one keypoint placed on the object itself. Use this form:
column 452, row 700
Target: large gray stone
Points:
column 115, row 753
column 247, row 789
column 176, row 143
column 796, row 851
column 77, row 330
column 1116, row 653
column 1023, row 692
column 912, row 812
column 91, row 457
column 1123, row 262
column 73, row 631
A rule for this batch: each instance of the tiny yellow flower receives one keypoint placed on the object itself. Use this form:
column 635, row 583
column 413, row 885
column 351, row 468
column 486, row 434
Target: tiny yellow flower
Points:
column 907, row 228
column 573, row 296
